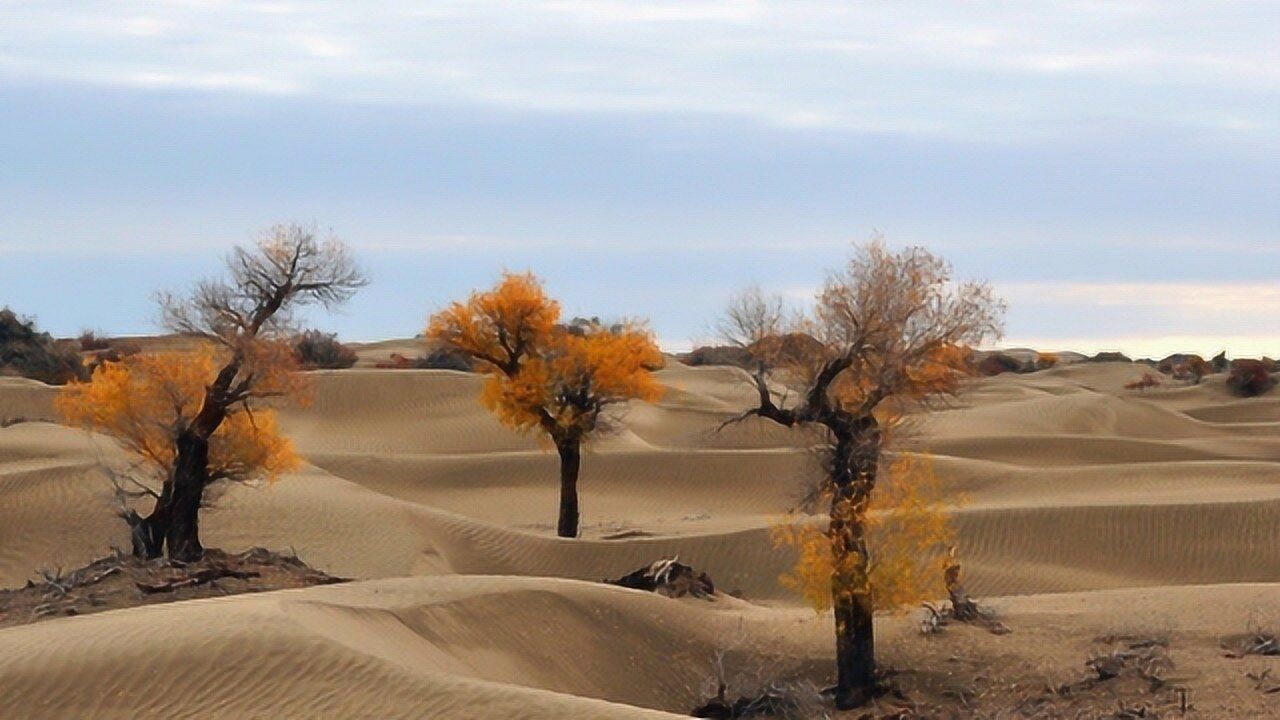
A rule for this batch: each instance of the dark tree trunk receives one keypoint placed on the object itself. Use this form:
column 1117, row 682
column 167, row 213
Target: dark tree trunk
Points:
column 855, row 650
column 191, row 474
column 148, row 533
column 854, row 467
column 570, row 463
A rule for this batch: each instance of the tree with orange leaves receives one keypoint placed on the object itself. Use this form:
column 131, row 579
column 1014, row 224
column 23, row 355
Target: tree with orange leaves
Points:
column 196, row 418
column 887, row 332
column 563, row 380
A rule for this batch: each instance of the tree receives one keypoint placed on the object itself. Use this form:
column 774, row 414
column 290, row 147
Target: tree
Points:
column 566, row 381
column 145, row 400
column 248, row 317
column 889, row 331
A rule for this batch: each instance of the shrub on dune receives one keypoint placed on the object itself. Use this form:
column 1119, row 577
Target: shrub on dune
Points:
column 1250, row 378
column 730, row 355
column 29, row 353
column 997, row 363
column 316, row 350
column 1046, row 360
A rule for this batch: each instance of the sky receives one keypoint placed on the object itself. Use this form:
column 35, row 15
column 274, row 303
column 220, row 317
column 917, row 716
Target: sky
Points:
column 1112, row 168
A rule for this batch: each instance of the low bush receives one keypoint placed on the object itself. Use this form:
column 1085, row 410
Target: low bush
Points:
column 1190, row 368
column 437, row 359
column 731, row 355
column 26, row 352
column 90, row 342
column 1046, row 360
column 1146, row 381
column 317, row 350
column 1111, row 357
column 997, row 363
column 115, row 353
column 1250, row 378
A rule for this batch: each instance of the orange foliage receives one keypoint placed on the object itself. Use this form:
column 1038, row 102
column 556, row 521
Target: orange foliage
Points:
column 499, row 325
column 544, row 375
column 907, row 532
column 145, row 400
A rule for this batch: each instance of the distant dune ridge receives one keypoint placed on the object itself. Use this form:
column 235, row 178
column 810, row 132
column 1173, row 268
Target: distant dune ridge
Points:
column 1143, row 508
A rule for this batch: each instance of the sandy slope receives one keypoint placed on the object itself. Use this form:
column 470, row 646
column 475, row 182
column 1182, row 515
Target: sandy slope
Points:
column 1069, row 484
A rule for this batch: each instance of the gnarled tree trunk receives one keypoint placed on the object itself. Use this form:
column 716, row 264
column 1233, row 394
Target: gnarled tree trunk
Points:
column 570, row 451
column 855, row 462
column 190, row 476
column 148, row 532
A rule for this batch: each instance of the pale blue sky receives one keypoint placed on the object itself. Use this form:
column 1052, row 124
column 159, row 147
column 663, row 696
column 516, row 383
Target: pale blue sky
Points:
column 1113, row 168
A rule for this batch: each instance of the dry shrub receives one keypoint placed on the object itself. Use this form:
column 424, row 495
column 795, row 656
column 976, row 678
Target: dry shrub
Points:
column 1250, row 378
column 115, row 352
column 29, row 353
column 316, row 350
column 1046, row 360
column 997, row 364
column 1146, row 381
column 438, row 359
column 90, row 342
column 730, row 355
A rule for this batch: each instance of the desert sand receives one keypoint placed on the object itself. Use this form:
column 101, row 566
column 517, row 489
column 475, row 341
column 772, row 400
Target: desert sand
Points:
column 1082, row 508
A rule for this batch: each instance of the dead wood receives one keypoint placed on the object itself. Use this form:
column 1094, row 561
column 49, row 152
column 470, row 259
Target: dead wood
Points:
column 1255, row 642
column 963, row 608
column 669, row 577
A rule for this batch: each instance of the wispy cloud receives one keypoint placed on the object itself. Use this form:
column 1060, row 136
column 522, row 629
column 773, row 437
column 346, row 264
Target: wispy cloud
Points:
column 1186, row 300
column 980, row 70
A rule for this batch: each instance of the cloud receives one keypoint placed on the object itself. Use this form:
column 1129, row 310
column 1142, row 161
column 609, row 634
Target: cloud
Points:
column 1186, row 300
column 981, row 71
column 1152, row 346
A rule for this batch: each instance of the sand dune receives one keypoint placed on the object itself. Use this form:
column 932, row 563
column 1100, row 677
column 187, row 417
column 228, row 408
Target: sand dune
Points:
column 472, row 646
column 1062, row 482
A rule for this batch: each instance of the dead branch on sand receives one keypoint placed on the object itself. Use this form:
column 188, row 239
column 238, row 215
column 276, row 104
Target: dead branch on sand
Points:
column 669, row 577
column 963, row 608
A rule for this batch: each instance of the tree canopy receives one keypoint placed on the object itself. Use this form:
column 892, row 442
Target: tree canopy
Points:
column 144, row 401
